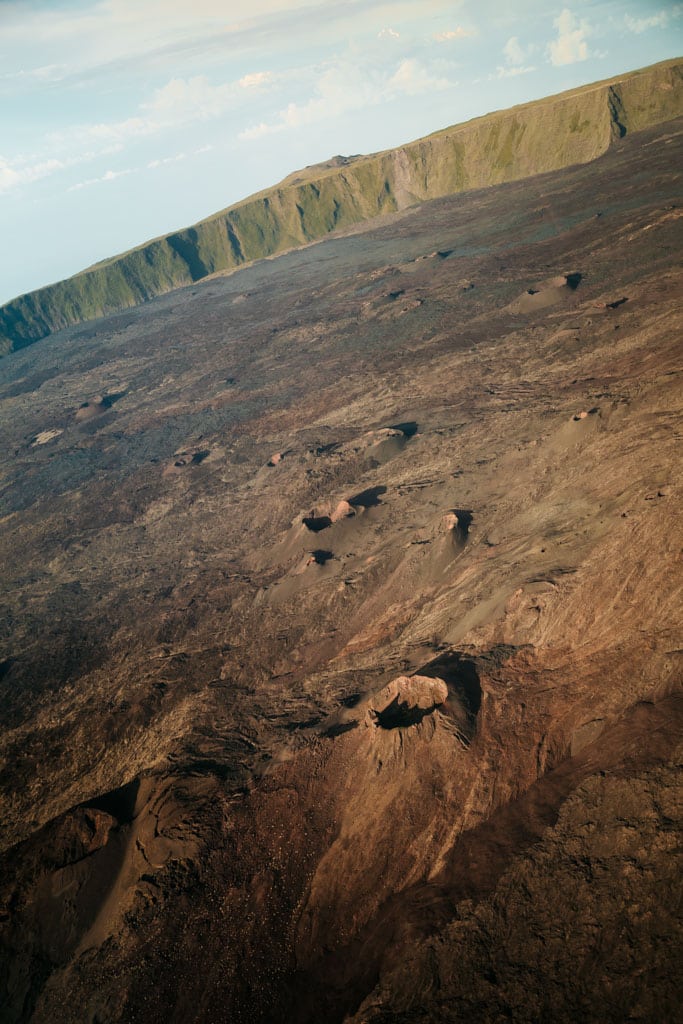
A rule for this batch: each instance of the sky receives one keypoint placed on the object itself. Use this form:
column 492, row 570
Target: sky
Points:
column 121, row 120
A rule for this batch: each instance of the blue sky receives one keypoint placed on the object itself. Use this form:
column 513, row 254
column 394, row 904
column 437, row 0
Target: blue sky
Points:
column 125, row 119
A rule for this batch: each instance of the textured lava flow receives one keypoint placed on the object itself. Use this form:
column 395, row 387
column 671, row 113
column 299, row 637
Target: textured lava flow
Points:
column 340, row 649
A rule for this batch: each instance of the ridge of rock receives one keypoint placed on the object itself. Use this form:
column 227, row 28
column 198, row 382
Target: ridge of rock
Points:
column 544, row 135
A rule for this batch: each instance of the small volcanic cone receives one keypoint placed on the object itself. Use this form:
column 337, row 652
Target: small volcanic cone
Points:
column 343, row 511
column 316, row 523
column 406, row 700
column 548, row 293
column 89, row 410
column 96, row 406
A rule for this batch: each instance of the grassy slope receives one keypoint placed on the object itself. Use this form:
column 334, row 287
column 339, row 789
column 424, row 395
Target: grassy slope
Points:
column 573, row 127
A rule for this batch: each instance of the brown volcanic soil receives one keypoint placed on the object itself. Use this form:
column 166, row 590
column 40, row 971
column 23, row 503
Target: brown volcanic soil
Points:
column 340, row 673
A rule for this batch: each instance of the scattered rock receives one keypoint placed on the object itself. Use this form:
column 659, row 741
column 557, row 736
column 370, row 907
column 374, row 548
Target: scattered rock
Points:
column 45, row 436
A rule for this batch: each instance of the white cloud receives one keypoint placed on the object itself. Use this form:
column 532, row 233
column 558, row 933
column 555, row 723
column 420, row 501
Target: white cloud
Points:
column 190, row 99
column 154, row 12
column 180, row 102
column 388, row 33
column 47, row 73
column 117, row 28
column 508, row 72
column 153, row 164
column 345, row 86
column 14, row 173
column 25, row 170
column 514, row 52
column 412, row 78
column 570, row 47
column 455, row 33
column 177, row 157
column 107, row 176
column 9, row 176
column 659, row 20
column 79, row 139
column 257, row 131
column 255, row 79
column 84, row 40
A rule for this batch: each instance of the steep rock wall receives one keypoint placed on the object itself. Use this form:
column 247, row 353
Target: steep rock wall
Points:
column 546, row 135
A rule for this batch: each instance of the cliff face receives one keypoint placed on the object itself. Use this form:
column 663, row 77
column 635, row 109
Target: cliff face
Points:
column 572, row 128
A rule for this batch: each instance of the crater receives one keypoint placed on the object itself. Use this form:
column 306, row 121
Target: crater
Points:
column 406, row 700
column 316, row 524
column 321, row 557
column 548, row 293
column 184, row 459
column 119, row 803
column 339, row 728
column 408, row 429
column 458, row 520
column 368, row 498
column 461, row 676
column 6, row 666
column 97, row 406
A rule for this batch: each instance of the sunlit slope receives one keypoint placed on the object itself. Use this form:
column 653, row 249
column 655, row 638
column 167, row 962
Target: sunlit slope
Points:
column 546, row 135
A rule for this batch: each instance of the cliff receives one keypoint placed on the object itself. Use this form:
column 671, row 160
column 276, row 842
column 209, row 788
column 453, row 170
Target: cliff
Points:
column 571, row 128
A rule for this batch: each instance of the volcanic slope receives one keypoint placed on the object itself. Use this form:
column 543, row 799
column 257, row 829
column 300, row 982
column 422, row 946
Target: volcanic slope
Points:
column 340, row 666
column 545, row 135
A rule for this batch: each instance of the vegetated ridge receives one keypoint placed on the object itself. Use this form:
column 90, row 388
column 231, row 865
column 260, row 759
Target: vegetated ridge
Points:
column 545, row 135
column 340, row 627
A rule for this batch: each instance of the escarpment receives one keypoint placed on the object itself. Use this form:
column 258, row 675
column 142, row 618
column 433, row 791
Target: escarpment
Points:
column 534, row 138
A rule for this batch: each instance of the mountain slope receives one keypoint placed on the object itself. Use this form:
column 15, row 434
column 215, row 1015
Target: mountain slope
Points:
column 340, row 647
column 546, row 135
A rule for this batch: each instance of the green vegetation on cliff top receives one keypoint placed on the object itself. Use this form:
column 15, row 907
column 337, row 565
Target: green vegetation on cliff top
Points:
column 545, row 135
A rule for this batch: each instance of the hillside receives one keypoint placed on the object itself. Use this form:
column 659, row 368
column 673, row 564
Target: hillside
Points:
column 340, row 627
column 571, row 128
